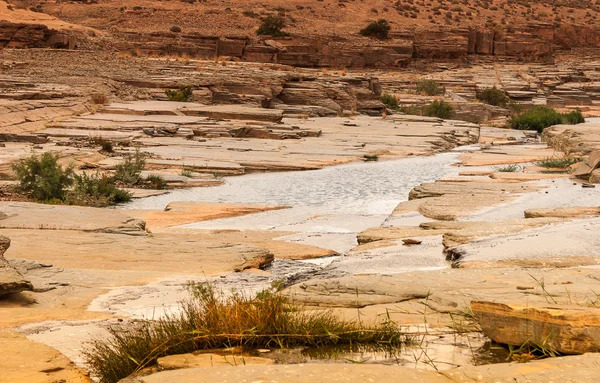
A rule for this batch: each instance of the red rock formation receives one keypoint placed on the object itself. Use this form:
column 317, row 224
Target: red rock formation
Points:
column 20, row 35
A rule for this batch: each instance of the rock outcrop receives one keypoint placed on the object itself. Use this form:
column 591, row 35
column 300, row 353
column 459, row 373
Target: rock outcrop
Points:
column 11, row 281
column 567, row 330
column 21, row 35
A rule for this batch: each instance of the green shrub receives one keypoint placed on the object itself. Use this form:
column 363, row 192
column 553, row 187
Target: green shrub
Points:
column 440, row 109
column 556, row 162
column 371, row 157
column 96, row 190
column 184, row 94
column 493, row 96
column 573, row 118
column 155, row 181
column 379, row 29
column 540, row 117
column 430, row 88
column 272, row 25
column 42, row 178
column 128, row 173
column 389, row 101
column 212, row 320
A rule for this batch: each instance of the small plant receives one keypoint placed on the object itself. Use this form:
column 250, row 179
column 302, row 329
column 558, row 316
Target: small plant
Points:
column 371, row 157
column 556, row 162
column 107, row 147
column 379, row 29
column 43, row 178
column 186, row 172
column 440, row 109
column 430, row 88
column 493, row 96
column 96, row 190
column 128, row 173
column 389, row 101
column 211, row 319
column 184, row 94
column 175, row 29
column 272, row 25
column 512, row 168
column 155, row 181
column 99, row 99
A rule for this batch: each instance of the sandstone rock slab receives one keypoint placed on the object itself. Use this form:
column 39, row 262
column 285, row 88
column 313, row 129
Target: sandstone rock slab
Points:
column 11, row 281
column 565, row 329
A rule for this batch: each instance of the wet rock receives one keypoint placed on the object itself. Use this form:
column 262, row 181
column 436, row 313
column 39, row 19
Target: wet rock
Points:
column 173, row 362
column 298, row 373
column 564, row 329
column 11, row 281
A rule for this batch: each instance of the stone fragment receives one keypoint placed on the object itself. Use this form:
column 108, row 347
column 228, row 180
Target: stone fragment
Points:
column 11, row 281
column 563, row 212
column 564, row 329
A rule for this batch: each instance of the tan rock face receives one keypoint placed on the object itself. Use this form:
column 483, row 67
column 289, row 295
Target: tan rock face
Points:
column 11, row 281
column 173, row 362
column 568, row 330
column 566, row 212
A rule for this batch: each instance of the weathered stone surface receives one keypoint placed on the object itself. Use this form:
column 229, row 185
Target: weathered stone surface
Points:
column 568, row 330
column 11, row 281
column 566, row 212
column 299, row 373
column 24, row 215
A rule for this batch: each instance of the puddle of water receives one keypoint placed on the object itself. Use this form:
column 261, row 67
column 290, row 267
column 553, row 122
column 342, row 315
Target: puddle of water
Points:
column 432, row 352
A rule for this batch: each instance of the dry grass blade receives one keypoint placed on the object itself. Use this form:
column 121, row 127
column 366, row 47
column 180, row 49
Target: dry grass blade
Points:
column 213, row 320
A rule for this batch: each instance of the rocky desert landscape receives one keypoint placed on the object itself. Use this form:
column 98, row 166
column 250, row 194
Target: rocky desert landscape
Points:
column 309, row 191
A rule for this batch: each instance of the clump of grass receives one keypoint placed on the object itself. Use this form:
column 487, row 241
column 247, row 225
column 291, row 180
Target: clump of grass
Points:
column 541, row 117
column 96, row 190
column 557, row 162
column 155, row 181
column 186, row 172
column 272, row 25
column 371, row 157
column 493, row 96
column 43, row 178
column 389, row 101
column 211, row 320
column 184, row 94
column 379, row 29
column 129, row 172
column 440, row 109
column 430, row 88
column 512, row 168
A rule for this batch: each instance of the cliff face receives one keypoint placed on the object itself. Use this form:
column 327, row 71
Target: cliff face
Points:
column 528, row 43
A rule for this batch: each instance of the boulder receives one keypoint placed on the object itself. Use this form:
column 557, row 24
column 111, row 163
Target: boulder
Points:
column 11, row 281
column 563, row 329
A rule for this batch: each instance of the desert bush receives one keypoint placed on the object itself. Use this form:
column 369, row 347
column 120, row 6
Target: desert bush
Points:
column 99, row 98
column 540, row 117
column 379, row 29
column 155, row 181
column 128, row 173
column 440, row 109
column 43, row 178
column 175, row 29
column 430, row 88
column 557, row 162
column 211, row 320
column 573, row 118
column 389, row 101
column 184, row 94
column 272, row 25
column 493, row 96
column 96, row 190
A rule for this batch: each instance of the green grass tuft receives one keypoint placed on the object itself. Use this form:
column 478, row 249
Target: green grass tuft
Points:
column 211, row 320
column 541, row 117
column 557, row 162
column 512, row 168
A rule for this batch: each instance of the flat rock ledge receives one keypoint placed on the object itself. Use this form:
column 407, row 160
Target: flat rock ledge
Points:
column 11, row 281
column 572, row 369
column 566, row 329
